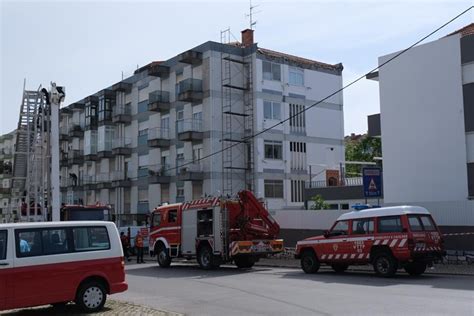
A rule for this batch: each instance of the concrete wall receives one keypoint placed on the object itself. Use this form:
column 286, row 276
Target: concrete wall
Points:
column 423, row 138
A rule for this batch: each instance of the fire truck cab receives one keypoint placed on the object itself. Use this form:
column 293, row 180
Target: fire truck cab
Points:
column 388, row 238
column 214, row 231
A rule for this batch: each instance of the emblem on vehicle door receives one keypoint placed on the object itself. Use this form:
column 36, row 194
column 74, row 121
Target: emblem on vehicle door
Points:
column 435, row 237
column 334, row 246
column 359, row 245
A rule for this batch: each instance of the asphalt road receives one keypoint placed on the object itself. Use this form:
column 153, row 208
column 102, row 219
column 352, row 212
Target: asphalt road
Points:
column 185, row 288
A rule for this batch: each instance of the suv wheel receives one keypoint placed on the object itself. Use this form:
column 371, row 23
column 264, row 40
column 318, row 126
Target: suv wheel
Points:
column 385, row 264
column 206, row 258
column 309, row 262
column 415, row 268
column 340, row 267
column 91, row 297
column 163, row 258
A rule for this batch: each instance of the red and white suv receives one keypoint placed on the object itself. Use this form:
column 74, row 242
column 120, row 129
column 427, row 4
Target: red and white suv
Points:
column 388, row 238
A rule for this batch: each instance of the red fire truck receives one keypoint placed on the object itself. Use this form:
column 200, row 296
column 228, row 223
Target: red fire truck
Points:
column 214, row 231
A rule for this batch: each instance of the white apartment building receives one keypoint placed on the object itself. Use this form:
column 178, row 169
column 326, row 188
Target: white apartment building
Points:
column 427, row 126
column 151, row 138
column 7, row 145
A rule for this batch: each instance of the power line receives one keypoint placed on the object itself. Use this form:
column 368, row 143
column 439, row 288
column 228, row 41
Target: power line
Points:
column 327, row 97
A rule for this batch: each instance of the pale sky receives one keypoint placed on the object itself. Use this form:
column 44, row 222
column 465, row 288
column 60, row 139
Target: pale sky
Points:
column 85, row 45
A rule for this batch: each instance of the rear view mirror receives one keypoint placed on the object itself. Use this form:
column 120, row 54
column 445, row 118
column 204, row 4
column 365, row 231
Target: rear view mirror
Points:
column 326, row 233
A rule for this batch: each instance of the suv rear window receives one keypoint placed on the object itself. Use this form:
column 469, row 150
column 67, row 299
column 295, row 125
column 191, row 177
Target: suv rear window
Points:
column 427, row 222
column 389, row 224
column 420, row 223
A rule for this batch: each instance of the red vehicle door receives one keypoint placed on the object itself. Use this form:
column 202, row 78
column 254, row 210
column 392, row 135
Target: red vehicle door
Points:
column 336, row 244
column 361, row 239
column 6, row 265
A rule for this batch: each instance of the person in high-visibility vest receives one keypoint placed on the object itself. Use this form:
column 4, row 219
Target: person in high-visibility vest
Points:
column 139, row 247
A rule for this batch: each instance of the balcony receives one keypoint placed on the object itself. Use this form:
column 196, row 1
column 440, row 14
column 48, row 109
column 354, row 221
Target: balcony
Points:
column 190, row 57
column 159, row 101
column 5, row 190
column 90, row 153
column 335, row 182
column 63, row 133
column 89, row 182
column 120, row 179
column 76, row 130
column 189, row 90
column 122, row 114
column 122, row 146
column 157, row 70
column 189, row 130
column 159, row 174
column 103, row 181
column 105, row 149
column 159, row 137
column 190, row 171
column 122, row 87
column 75, row 157
column 63, row 162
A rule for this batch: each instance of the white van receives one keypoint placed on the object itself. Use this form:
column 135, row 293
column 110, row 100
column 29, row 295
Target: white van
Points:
column 58, row 262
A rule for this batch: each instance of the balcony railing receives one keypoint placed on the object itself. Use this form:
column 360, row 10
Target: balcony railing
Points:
column 103, row 180
column 333, row 182
column 160, row 173
column 89, row 182
column 189, row 130
column 189, row 170
column 159, row 101
column 75, row 156
column 159, row 137
column 122, row 114
column 189, row 90
column 122, row 146
column 76, row 130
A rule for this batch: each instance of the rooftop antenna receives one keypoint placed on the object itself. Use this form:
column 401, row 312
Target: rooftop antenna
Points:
column 251, row 14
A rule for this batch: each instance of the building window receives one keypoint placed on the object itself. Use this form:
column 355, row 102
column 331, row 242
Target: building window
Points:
column 271, row 71
column 105, row 108
column 143, row 136
column 179, row 191
column 273, row 188
column 271, row 110
column 298, row 155
column 142, row 195
column 297, row 118
column 297, row 191
column 165, row 122
column 143, row 106
column 273, row 149
column 296, row 76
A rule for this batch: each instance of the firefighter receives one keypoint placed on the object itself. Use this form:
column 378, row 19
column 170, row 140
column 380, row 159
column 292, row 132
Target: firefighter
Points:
column 125, row 245
column 139, row 247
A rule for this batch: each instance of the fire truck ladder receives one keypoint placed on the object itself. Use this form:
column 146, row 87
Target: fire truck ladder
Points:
column 233, row 118
column 249, row 123
column 30, row 163
column 225, row 232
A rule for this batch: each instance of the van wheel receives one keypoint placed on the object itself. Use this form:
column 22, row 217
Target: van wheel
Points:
column 244, row 262
column 415, row 268
column 339, row 268
column 309, row 262
column 91, row 297
column 163, row 258
column 206, row 259
column 385, row 264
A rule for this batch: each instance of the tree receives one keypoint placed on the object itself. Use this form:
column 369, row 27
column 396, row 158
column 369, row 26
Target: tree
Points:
column 364, row 149
column 319, row 203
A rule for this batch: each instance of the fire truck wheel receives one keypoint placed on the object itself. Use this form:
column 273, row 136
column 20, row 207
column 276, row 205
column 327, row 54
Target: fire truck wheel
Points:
column 244, row 262
column 205, row 258
column 309, row 262
column 415, row 268
column 163, row 257
column 339, row 268
column 385, row 264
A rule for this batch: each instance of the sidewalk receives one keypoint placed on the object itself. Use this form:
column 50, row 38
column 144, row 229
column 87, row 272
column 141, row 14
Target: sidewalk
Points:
column 112, row 307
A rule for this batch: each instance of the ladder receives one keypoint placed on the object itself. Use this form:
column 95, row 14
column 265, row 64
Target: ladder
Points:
column 225, row 231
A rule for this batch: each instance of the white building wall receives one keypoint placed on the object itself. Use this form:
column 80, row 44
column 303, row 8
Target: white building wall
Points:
column 423, row 138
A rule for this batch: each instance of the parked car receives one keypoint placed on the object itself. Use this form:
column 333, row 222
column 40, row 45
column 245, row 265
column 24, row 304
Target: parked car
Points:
column 389, row 238
column 58, row 262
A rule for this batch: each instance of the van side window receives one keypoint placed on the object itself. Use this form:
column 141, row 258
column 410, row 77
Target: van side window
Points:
column 172, row 216
column 3, row 244
column 55, row 241
column 28, row 243
column 90, row 238
column 427, row 222
column 415, row 224
column 156, row 219
column 362, row 226
column 389, row 224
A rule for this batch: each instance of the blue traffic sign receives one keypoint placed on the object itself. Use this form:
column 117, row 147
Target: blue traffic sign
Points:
column 372, row 179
